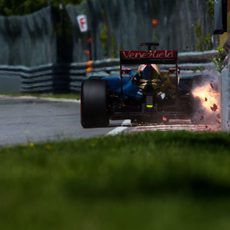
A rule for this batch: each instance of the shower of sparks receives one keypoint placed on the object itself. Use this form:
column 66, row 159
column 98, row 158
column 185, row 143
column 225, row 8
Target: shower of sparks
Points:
column 209, row 98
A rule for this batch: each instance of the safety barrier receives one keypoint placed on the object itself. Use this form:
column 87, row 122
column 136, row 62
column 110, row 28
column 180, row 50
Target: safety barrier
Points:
column 225, row 98
column 59, row 78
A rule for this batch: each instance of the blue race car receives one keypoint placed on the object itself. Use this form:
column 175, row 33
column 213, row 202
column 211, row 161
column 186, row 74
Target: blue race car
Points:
column 141, row 92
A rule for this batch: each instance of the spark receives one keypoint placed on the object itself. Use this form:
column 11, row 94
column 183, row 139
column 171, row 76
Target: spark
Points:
column 208, row 96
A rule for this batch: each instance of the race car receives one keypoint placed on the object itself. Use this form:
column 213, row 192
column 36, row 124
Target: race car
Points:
column 142, row 92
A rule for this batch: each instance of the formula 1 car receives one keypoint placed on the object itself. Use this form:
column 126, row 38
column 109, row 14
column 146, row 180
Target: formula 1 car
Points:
column 143, row 95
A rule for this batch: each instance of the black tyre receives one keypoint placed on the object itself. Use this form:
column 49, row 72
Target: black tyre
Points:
column 94, row 104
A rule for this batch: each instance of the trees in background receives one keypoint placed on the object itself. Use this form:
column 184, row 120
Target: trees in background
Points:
column 22, row 7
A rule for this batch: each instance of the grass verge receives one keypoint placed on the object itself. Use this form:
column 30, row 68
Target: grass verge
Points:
column 161, row 180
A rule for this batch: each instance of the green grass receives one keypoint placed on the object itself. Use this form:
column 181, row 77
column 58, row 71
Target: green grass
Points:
column 161, row 180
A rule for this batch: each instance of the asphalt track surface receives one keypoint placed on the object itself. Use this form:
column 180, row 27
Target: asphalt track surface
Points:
column 27, row 119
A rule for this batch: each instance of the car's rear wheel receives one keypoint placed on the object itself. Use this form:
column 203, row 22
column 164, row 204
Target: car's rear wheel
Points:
column 94, row 104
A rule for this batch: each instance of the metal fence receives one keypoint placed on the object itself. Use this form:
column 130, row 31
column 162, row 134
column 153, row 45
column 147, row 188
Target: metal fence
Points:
column 60, row 78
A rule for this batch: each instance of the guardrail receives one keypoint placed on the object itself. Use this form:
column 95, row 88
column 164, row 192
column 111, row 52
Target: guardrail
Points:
column 59, row 78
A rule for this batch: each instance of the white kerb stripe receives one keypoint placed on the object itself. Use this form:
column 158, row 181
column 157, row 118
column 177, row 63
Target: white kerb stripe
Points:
column 117, row 131
column 120, row 128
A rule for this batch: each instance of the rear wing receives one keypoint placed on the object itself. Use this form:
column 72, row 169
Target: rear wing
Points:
column 148, row 57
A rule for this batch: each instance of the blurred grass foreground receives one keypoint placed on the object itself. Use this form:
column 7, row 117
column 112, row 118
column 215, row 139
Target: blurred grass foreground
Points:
column 161, row 180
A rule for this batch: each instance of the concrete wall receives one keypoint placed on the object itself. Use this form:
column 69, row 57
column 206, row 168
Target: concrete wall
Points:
column 225, row 99
column 225, row 77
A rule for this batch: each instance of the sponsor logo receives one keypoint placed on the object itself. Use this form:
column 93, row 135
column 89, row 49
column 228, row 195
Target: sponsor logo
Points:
column 152, row 54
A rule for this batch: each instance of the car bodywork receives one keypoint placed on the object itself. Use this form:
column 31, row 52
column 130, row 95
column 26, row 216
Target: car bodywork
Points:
column 150, row 97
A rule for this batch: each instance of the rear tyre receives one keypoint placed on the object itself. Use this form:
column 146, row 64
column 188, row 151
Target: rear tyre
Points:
column 94, row 104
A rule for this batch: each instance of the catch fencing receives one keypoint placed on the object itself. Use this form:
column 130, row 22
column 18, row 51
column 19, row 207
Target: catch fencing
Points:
column 61, row 78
